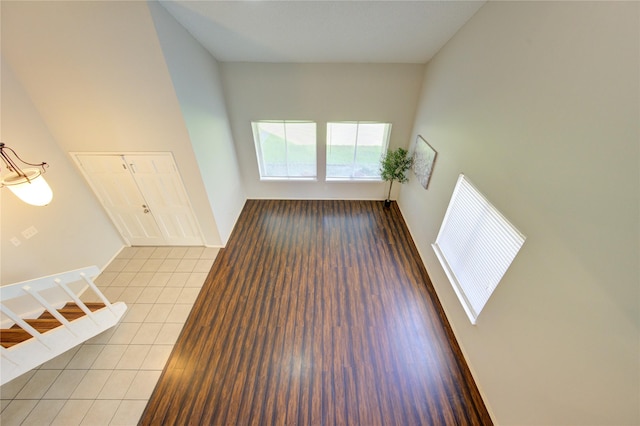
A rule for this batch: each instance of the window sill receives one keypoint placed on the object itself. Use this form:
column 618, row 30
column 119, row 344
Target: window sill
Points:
column 288, row 179
column 354, row 180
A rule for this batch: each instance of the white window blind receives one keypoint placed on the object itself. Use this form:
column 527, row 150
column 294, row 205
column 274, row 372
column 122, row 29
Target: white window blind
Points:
column 475, row 245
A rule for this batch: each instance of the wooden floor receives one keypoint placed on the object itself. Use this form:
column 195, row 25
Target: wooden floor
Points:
column 317, row 313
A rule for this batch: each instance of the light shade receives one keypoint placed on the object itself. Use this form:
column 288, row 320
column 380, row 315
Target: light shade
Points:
column 32, row 189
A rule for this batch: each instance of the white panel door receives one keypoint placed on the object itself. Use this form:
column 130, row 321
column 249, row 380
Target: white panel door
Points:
column 115, row 187
column 159, row 181
column 144, row 196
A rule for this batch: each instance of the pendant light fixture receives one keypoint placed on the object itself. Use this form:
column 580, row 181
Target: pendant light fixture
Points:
column 28, row 184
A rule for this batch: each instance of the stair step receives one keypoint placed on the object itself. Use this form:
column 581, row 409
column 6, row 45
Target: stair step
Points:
column 72, row 311
column 13, row 336
column 42, row 325
column 45, row 322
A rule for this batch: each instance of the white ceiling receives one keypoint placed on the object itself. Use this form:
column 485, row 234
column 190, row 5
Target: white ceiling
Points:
column 323, row 31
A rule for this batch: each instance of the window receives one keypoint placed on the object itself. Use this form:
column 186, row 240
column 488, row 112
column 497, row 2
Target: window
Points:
column 354, row 149
column 475, row 246
column 285, row 149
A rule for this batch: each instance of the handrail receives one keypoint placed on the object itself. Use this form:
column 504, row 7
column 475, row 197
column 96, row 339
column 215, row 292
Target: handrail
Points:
column 14, row 290
column 37, row 288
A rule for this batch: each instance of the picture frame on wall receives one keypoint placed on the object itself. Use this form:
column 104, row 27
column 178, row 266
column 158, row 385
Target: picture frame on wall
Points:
column 424, row 158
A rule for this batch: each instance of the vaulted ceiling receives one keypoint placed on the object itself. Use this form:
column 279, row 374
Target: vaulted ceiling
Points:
column 323, row 31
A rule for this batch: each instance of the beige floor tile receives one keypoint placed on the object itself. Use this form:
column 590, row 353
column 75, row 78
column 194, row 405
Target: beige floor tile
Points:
column 11, row 389
column 186, row 265
column 149, row 295
column 109, row 357
column 146, row 334
column 188, row 295
column 113, row 293
column 144, row 252
column 177, row 252
column 129, row 413
column 134, row 265
column 101, row 412
column 193, row 253
column 105, row 279
column 61, row 361
column 196, row 279
column 179, row 313
column 103, row 337
column 123, row 279
column 85, row 356
column 117, row 385
column 125, row 333
column 169, row 265
column 44, row 412
column 157, row 357
column 91, row 384
column 130, row 295
column 160, row 279
column 38, row 384
column 142, row 278
column 203, row 265
column 209, row 253
column 116, row 265
column 159, row 312
column 160, row 253
column 178, row 279
column 152, row 265
column 143, row 384
column 133, row 357
column 169, row 334
column 65, row 384
column 169, row 295
column 72, row 412
column 127, row 253
column 17, row 411
column 137, row 312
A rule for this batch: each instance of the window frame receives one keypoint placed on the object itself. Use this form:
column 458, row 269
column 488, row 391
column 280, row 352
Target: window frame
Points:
column 260, row 155
column 352, row 178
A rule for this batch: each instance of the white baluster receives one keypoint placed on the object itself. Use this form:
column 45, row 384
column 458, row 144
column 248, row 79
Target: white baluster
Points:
column 53, row 311
column 77, row 301
column 23, row 324
column 97, row 291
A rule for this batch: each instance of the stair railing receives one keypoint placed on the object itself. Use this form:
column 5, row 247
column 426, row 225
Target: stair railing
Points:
column 29, row 299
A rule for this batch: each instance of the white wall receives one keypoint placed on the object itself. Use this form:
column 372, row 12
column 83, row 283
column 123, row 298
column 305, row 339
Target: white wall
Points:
column 73, row 230
column 97, row 74
column 538, row 103
column 321, row 93
column 196, row 80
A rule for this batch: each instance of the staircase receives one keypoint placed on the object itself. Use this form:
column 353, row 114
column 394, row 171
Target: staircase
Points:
column 42, row 318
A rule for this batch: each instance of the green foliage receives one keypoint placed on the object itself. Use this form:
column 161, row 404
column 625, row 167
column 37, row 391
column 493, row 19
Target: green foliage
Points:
column 394, row 166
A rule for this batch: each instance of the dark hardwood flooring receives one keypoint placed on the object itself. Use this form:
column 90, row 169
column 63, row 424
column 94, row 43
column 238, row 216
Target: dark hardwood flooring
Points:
column 317, row 313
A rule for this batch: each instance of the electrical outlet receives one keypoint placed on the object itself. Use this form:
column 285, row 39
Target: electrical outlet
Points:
column 15, row 241
column 29, row 232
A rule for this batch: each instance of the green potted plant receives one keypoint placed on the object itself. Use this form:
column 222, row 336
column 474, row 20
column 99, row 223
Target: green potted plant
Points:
column 393, row 167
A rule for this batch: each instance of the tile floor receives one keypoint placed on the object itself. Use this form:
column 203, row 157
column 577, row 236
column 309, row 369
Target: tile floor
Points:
column 109, row 379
